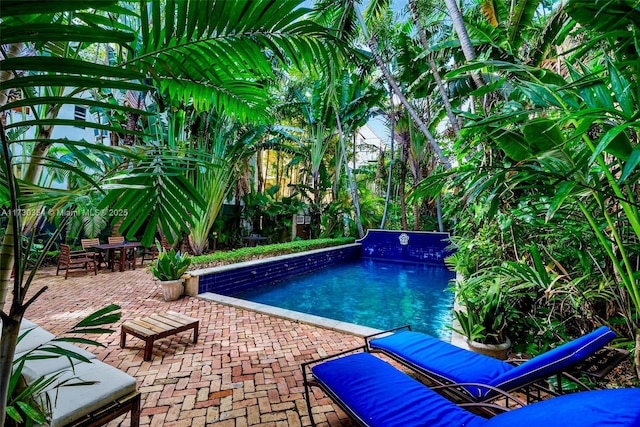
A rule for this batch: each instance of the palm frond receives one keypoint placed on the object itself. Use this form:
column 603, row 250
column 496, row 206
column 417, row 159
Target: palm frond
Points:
column 226, row 48
column 520, row 19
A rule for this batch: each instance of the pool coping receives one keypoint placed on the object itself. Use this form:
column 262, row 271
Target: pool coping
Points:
column 292, row 315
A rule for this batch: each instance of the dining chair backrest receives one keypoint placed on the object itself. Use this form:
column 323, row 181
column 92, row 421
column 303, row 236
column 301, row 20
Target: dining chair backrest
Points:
column 89, row 243
column 116, row 239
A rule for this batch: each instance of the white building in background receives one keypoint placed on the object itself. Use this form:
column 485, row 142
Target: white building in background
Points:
column 371, row 139
column 77, row 132
column 80, row 115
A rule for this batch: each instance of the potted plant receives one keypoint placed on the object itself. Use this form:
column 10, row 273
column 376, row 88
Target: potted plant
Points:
column 168, row 270
column 485, row 311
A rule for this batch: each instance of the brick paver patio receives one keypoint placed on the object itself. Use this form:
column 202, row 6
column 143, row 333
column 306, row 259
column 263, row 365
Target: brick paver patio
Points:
column 243, row 371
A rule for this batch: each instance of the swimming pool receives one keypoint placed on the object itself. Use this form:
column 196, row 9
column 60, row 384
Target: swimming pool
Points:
column 372, row 293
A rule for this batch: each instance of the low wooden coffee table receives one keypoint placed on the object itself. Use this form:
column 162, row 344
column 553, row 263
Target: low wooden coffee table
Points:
column 158, row 326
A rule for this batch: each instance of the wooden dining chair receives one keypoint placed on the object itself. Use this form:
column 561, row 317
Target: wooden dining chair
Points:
column 88, row 245
column 151, row 253
column 116, row 256
column 74, row 260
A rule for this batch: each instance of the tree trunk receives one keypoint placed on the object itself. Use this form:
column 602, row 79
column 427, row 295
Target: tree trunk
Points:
column 9, row 250
column 132, row 122
column 434, row 69
column 276, row 196
column 403, row 99
column 260, row 179
column 336, row 176
column 7, row 258
column 317, row 215
column 371, row 42
column 439, row 213
column 392, row 128
column 403, row 179
column 353, row 185
column 6, row 250
column 636, row 357
column 8, row 343
column 463, row 36
column 416, row 207
column 13, row 50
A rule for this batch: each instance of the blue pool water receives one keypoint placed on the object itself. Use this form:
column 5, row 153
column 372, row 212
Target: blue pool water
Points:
column 377, row 294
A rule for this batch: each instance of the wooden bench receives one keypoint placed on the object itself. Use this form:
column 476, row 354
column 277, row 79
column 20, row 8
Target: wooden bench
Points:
column 158, row 326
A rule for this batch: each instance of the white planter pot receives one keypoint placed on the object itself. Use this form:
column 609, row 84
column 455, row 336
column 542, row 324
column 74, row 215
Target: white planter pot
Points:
column 498, row 351
column 171, row 289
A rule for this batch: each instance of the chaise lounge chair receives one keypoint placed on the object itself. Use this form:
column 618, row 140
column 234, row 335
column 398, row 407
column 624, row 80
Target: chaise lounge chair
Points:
column 79, row 390
column 375, row 394
column 467, row 376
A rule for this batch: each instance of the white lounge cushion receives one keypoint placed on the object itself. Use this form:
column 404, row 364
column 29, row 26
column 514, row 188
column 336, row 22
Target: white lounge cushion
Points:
column 36, row 368
column 27, row 324
column 71, row 403
column 33, row 338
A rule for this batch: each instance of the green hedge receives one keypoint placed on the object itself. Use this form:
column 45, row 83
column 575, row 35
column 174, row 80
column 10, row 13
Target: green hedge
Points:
column 265, row 251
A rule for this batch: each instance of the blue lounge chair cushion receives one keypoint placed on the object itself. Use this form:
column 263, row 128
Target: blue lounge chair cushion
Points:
column 556, row 360
column 438, row 358
column 601, row 408
column 380, row 395
column 435, row 357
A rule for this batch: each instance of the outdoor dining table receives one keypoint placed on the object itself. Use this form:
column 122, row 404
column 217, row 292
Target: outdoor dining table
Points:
column 109, row 248
column 255, row 240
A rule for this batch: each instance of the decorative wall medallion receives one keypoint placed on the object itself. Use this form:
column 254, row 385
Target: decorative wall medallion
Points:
column 404, row 239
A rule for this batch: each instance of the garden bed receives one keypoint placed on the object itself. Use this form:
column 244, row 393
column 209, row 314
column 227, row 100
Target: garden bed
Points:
column 220, row 258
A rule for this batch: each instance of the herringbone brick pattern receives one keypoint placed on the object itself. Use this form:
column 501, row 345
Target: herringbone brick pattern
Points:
column 243, row 371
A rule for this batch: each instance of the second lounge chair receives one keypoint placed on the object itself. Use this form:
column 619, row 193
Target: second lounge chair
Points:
column 375, row 394
column 482, row 377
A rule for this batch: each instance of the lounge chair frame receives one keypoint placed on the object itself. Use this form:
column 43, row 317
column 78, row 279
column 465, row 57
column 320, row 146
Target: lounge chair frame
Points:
column 128, row 403
column 310, row 382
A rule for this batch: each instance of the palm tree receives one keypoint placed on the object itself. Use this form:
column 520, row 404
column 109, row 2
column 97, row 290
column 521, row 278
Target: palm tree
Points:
column 221, row 151
column 357, row 97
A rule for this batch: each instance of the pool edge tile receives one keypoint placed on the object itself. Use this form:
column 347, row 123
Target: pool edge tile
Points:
column 295, row 316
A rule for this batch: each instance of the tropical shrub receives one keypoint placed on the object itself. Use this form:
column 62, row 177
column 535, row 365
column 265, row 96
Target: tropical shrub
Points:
column 170, row 265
